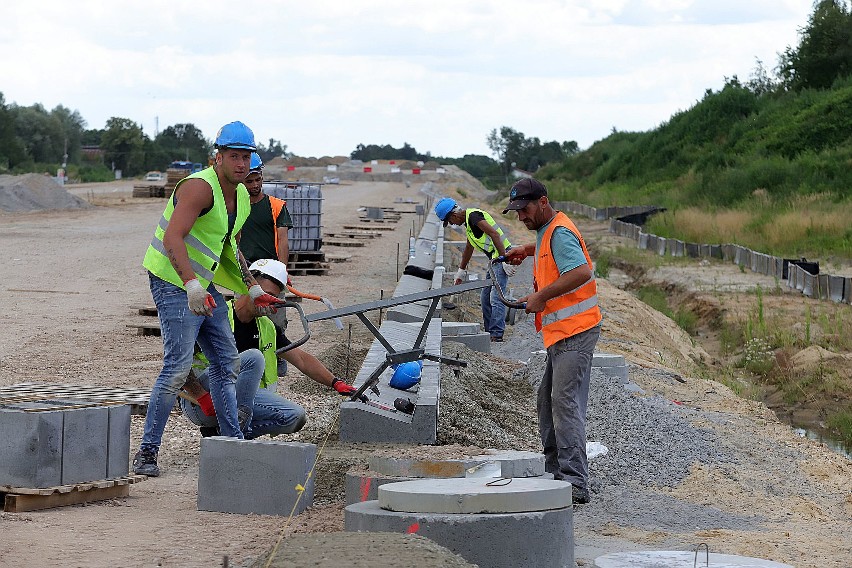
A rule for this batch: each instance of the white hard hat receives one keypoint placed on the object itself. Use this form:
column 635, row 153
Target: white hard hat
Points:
column 274, row 269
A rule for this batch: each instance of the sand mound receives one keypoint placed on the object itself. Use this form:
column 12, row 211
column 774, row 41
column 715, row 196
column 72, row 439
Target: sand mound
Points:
column 35, row 192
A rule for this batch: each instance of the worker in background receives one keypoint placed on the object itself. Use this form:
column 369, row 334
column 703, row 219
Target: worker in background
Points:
column 484, row 234
column 257, row 340
column 265, row 231
column 195, row 246
column 565, row 304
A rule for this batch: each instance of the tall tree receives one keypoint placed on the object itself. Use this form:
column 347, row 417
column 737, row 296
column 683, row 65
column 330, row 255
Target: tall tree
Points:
column 41, row 134
column 123, row 143
column 11, row 149
column 184, row 142
column 73, row 127
column 825, row 49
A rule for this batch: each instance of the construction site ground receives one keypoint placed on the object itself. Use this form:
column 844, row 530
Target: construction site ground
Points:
column 72, row 281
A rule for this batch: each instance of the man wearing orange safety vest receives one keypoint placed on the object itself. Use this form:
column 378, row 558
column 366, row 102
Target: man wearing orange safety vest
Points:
column 565, row 303
column 265, row 231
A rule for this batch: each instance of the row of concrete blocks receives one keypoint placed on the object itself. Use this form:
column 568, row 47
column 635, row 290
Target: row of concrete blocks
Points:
column 370, row 423
column 601, row 213
column 818, row 286
column 58, row 442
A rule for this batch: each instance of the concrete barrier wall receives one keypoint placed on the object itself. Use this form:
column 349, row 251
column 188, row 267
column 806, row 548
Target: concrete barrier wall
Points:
column 822, row 286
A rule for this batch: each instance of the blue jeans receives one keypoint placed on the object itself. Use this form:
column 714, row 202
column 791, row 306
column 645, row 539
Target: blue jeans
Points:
column 270, row 413
column 493, row 310
column 180, row 330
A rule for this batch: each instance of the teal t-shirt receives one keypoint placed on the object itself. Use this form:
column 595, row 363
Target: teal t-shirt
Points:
column 567, row 252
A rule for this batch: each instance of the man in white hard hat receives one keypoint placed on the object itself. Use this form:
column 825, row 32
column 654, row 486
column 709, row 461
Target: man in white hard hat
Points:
column 262, row 411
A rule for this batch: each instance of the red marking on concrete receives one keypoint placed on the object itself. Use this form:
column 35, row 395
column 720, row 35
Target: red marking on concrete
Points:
column 412, row 528
column 365, row 488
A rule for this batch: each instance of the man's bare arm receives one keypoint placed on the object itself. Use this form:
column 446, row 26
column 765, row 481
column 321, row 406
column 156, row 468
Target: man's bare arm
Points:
column 194, row 195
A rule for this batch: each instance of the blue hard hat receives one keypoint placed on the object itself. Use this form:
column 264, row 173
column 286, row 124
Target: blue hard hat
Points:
column 444, row 207
column 256, row 164
column 406, row 375
column 235, row 135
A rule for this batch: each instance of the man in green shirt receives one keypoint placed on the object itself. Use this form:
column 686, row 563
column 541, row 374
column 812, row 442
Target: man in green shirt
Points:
column 265, row 231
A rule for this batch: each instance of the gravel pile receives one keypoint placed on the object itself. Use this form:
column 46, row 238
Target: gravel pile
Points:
column 35, row 192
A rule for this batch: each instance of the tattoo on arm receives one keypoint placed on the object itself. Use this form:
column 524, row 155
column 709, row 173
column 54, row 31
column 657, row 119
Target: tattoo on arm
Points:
column 173, row 259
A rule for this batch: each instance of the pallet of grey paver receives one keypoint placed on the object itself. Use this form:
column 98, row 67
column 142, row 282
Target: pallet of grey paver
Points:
column 146, row 328
column 23, row 499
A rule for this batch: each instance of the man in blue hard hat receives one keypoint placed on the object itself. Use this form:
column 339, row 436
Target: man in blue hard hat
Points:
column 195, row 246
column 483, row 233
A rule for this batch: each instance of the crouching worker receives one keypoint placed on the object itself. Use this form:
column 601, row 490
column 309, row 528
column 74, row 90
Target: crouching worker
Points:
column 261, row 411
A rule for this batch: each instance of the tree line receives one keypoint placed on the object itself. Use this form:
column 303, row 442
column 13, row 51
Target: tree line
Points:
column 33, row 139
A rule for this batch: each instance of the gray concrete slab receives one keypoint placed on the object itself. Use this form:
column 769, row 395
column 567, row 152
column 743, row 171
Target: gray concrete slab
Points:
column 507, row 463
column 30, row 448
column 477, row 342
column 681, row 559
column 118, row 444
column 544, row 539
column 85, row 443
column 255, row 476
column 475, row 496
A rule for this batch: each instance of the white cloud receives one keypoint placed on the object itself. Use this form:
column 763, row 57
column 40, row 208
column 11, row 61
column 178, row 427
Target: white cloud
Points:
column 326, row 75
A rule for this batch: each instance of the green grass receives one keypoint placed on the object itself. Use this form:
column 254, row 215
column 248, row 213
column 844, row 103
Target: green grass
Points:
column 841, row 424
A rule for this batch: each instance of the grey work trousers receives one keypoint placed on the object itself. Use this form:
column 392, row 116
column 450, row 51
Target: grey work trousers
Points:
column 562, row 399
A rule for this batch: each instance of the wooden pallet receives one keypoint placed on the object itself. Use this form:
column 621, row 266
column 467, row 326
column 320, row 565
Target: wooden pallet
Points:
column 22, row 499
column 337, row 257
column 375, row 227
column 378, row 221
column 146, row 328
column 148, row 311
column 354, row 235
column 346, row 243
column 34, row 392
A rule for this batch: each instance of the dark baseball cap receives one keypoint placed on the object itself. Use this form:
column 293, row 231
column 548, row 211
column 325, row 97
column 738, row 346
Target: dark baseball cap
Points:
column 524, row 191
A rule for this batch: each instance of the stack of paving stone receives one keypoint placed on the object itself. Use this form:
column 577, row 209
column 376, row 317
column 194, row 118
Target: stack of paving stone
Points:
column 49, row 443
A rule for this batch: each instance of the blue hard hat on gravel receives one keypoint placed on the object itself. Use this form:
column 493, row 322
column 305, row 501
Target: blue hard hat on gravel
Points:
column 235, row 135
column 406, row 375
column 256, row 164
column 444, row 207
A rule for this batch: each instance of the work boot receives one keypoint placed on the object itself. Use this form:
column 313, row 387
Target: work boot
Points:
column 207, row 431
column 579, row 495
column 145, row 463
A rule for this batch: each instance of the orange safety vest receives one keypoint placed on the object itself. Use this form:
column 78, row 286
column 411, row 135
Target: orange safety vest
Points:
column 277, row 205
column 573, row 312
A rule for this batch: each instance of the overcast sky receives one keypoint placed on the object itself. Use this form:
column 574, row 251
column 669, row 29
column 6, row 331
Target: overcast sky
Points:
column 325, row 75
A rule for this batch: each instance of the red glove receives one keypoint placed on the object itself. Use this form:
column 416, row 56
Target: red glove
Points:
column 344, row 388
column 206, row 404
column 266, row 304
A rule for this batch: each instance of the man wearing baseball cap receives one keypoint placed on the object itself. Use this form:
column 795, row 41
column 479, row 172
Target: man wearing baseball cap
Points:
column 565, row 303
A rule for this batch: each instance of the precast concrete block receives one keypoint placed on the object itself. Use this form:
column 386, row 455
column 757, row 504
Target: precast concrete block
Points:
column 544, row 539
column 810, row 285
column 662, row 244
column 85, row 443
column 600, row 359
column 477, row 342
column 643, row 240
column 475, row 496
column 704, row 250
column 822, row 282
column 847, row 289
column 363, row 485
column 728, row 252
column 693, row 250
column 454, row 328
column 364, row 423
column 679, row 558
column 118, row 446
column 677, row 248
column 835, row 288
column 716, row 251
column 30, row 448
column 265, row 477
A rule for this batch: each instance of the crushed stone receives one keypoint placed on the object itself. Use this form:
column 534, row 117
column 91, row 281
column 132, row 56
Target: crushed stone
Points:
column 35, row 192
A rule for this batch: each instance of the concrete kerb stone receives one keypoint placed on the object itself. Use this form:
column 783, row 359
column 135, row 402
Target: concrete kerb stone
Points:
column 31, row 448
column 118, row 443
column 543, row 538
column 611, row 365
column 255, row 476
column 85, row 439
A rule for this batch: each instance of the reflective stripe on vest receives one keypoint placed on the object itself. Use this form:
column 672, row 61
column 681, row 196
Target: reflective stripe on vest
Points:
column 572, row 312
column 212, row 254
column 276, row 204
column 484, row 243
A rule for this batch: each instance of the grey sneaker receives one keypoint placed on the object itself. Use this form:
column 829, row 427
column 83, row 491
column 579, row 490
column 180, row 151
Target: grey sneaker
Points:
column 145, row 463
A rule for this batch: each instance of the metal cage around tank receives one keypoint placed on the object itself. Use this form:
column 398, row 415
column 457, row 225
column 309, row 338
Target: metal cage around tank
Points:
column 304, row 202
